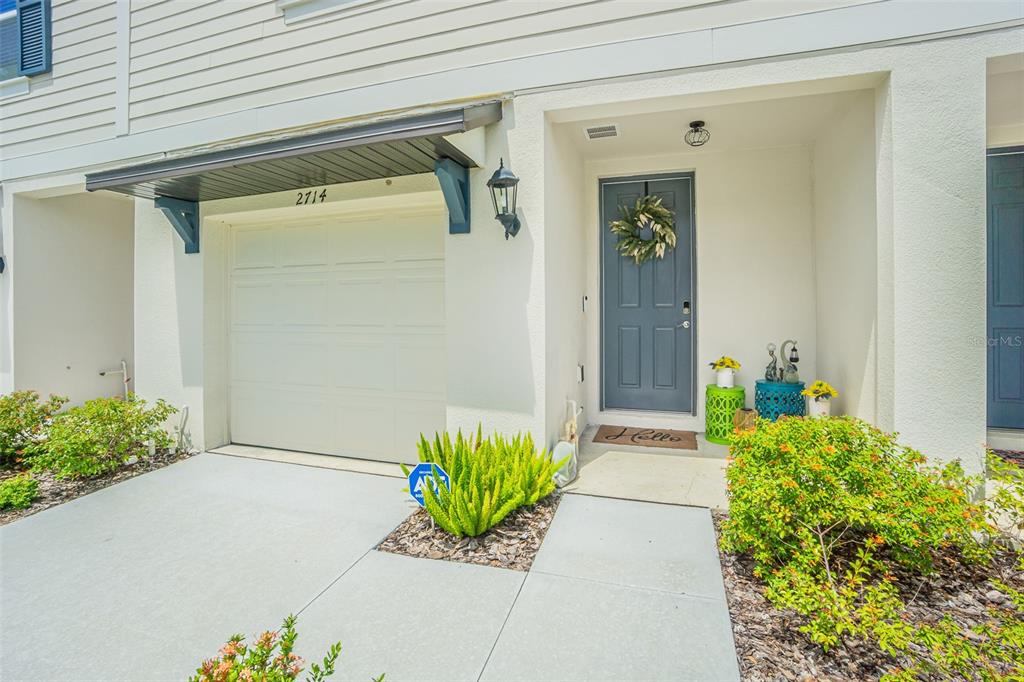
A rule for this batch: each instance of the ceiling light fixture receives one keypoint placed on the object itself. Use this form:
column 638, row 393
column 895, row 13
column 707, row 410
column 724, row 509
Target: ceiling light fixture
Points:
column 697, row 135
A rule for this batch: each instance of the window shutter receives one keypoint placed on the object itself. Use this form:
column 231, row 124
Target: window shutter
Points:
column 33, row 47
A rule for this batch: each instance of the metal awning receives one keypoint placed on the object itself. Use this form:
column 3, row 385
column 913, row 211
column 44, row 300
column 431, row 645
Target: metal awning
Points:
column 380, row 149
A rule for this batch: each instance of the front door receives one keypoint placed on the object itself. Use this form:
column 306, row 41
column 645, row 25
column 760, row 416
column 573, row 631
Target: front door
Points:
column 648, row 311
column 1006, row 289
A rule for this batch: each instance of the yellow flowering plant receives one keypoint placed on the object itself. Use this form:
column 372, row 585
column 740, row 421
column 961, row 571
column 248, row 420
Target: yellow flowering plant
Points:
column 832, row 510
column 724, row 362
column 820, row 390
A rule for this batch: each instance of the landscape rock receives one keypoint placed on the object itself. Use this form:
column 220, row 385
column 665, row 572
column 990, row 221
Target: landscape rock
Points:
column 511, row 544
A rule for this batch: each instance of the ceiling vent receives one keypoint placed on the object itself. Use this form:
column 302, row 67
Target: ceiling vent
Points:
column 599, row 132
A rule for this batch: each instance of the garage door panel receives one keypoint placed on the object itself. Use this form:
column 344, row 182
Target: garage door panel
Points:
column 419, row 301
column 252, row 248
column 304, row 421
column 303, row 303
column 357, row 302
column 253, row 416
column 413, row 418
column 302, row 364
column 359, row 242
column 337, row 335
column 250, row 303
column 253, row 358
column 414, row 244
column 302, row 246
column 364, row 366
column 365, row 428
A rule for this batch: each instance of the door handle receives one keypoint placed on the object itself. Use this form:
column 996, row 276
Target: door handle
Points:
column 685, row 324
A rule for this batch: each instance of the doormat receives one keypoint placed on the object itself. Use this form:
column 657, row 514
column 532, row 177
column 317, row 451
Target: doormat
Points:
column 650, row 438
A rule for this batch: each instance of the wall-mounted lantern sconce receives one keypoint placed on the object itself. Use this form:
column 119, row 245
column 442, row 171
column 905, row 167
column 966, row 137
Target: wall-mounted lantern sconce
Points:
column 503, row 194
column 697, row 135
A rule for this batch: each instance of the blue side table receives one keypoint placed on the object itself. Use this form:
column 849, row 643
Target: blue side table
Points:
column 776, row 398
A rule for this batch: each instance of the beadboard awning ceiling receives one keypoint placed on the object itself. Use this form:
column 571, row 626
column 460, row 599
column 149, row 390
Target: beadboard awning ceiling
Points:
column 381, row 149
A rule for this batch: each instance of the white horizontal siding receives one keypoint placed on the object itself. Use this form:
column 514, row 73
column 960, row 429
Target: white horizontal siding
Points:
column 51, row 95
column 211, row 58
column 22, row 124
column 74, row 104
column 71, row 138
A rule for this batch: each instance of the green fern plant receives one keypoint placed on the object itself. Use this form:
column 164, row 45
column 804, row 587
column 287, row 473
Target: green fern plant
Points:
column 490, row 478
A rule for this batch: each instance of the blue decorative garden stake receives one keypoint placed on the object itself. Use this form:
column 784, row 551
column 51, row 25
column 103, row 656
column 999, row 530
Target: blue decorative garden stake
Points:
column 423, row 474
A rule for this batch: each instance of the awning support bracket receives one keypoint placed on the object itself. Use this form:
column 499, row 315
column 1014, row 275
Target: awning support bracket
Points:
column 184, row 218
column 454, row 180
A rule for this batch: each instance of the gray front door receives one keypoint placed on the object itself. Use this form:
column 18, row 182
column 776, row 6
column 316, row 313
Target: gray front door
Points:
column 1006, row 289
column 648, row 312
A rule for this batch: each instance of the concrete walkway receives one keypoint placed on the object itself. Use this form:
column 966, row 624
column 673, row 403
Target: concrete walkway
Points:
column 144, row 579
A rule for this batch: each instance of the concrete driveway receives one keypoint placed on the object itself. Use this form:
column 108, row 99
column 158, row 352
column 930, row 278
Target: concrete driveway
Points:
column 142, row 580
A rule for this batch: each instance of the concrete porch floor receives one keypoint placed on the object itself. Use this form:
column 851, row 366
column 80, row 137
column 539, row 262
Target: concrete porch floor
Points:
column 688, row 477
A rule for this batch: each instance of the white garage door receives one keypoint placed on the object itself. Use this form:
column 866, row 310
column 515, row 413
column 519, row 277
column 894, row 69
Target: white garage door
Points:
column 337, row 335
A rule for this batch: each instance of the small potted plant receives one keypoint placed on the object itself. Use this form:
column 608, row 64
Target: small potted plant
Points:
column 725, row 371
column 820, row 394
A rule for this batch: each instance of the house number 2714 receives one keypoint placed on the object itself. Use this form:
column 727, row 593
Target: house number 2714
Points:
column 311, row 197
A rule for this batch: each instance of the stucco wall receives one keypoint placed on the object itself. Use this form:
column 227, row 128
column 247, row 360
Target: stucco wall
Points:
column 168, row 318
column 755, row 273
column 565, row 237
column 845, row 258
column 494, row 294
column 73, row 300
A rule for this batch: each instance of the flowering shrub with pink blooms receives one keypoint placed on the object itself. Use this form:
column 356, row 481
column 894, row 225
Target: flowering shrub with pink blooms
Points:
column 269, row 659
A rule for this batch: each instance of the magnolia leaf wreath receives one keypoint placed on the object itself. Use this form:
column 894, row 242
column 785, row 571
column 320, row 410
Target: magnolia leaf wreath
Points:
column 647, row 212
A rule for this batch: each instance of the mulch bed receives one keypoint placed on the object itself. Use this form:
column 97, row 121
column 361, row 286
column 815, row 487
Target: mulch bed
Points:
column 53, row 491
column 511, row 544
column 769, row 646
column 1012, row 456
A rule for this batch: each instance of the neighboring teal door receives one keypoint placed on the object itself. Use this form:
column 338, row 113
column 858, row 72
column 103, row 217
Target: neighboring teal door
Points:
column 1006, row 288
column 648, row 312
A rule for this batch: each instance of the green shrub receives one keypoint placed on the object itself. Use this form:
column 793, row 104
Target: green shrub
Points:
column 101, row 436
column 18, row 492
column 270, row 659
column 23, row 419
column 1006, row 497
column 489, row 479
column 827, row 507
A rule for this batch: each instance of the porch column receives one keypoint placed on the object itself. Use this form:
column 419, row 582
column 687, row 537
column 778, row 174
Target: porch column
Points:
column 932, row 222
